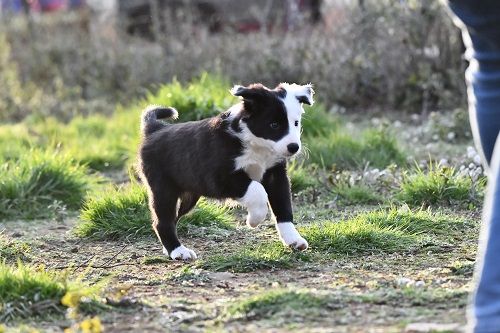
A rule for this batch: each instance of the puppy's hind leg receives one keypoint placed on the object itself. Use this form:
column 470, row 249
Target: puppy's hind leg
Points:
column 163, row 205
column 188, row 201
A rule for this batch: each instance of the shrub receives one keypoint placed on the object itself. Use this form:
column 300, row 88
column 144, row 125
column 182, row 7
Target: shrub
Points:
column 346, row 59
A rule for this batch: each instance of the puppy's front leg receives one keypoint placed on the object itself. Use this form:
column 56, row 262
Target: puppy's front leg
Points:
column 255, row 200
column 277, row 186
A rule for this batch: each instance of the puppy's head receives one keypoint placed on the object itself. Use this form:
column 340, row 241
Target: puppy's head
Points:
column 271, row 118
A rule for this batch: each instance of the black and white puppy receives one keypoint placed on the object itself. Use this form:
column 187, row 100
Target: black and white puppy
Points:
column 239, row 154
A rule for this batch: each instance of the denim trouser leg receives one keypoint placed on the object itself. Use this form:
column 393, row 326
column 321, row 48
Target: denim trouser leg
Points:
column 482, row 19
column 485, row 311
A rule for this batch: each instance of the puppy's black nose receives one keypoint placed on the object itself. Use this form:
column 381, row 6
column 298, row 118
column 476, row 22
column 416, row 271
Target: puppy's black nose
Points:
column 293, row 148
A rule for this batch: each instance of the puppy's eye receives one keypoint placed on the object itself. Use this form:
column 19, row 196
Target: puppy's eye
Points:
column 296, row 123
column 274, row 125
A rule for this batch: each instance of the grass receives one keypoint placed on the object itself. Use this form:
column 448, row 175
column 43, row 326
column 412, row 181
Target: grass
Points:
column 301, row 177
column 119, row 212
column 28, row 291
column 314, row 304
column 462, row 268
column 381, row 231
column 439, row 185
column 203, row 97
column 416, row 222
column 341, row 150
column 356, row 236
column 317, row 122
column 206, row 215
column 189, row 274
column 109, row 142
column 116, row 212
column 14, row 140
column 39, row 183
column 12, row 250
column 251, row 258
column 355, row 194
column 416, row 296
column 266, row 304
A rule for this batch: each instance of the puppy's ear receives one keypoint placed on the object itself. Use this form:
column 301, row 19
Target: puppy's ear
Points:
column 305, row 94
column 237, row 90
column 249, row 93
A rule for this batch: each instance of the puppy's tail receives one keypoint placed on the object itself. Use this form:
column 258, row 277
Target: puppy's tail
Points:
column 151, row 115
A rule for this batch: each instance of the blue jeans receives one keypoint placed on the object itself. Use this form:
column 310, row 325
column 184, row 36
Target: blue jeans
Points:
column 482, row 38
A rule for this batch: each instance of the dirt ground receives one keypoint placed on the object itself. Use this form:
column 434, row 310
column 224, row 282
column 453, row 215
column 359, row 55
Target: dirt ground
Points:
column 155, row 296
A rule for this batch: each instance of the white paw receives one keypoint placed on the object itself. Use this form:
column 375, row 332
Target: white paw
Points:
column 181, row 253
column 290, row 236
column 255, row 200
column 256, row 216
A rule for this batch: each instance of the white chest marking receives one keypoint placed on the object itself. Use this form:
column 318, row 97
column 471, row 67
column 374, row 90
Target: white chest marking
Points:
column 258, row 154
column 255, row 161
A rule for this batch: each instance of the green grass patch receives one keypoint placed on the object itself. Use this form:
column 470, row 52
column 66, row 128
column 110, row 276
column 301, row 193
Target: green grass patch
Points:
column 119, row 212
column 203, row 97
column 40, row 183
column 416, row 296
column 12, row 250
column 102, row 142
column 357, row 236
column 439, row 185
column 205, row 216
column 116, row 212
column 251, row 258
column 341, row 150
column 464, row 268
column 382, row 231
column 417, row 221
column 14, row 141
column 267, row 304
column 27, row 291
column 189, row 274
column 357, row 194
column 313, row 304
column 153, row 260
column 301, row 177
column 96, row 141
column 317, row 122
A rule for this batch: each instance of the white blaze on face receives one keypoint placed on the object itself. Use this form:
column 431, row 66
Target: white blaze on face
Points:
column 294, row 110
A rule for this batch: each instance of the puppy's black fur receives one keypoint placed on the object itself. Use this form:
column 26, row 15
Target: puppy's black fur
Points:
column 188, row 160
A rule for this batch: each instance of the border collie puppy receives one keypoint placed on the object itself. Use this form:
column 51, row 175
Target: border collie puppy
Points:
column 239, row 154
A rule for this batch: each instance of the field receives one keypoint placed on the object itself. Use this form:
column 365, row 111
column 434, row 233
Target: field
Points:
column 392, row 228
column 388, row 189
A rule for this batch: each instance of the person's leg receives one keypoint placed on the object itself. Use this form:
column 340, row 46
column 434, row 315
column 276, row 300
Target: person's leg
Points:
column 481, row 18
column 482, row 38
column 485, row 312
